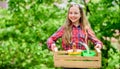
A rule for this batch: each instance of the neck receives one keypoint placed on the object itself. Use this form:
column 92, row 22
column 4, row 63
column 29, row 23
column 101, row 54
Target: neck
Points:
column 76, row 24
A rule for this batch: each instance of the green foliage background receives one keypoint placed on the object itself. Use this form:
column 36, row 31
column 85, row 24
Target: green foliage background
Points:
column 26, row 25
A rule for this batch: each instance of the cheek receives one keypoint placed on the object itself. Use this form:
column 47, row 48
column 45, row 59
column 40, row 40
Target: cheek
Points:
column 79, row 16
column 69, row 16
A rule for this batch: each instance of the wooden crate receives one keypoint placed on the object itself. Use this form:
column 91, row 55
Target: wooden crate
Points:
column 71, row 61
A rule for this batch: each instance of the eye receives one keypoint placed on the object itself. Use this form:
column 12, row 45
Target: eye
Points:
column 76, row 12
column 70, row 12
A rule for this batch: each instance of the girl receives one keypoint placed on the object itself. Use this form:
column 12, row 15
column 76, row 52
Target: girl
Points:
column 75, row 30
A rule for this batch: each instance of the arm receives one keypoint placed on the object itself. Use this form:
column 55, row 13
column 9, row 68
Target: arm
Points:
column 51, row 41
column 94, row 39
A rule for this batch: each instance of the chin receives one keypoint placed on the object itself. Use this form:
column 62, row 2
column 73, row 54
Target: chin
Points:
column 73, row 21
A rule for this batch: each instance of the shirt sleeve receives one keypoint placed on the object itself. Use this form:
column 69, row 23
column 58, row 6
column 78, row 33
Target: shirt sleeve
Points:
column 93, row 38
column 51, row 40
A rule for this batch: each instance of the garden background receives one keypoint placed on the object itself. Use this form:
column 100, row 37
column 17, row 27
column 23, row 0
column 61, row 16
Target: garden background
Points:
column 25, row 26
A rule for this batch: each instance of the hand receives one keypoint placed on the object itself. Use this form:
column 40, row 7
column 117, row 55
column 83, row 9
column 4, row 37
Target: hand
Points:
column 71, row 50
column 54, row 48
column 98, row 46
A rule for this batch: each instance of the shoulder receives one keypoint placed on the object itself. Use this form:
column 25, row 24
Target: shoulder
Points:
column 61, row 28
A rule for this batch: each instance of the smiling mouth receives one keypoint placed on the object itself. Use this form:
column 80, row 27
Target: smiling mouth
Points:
column 73, row 18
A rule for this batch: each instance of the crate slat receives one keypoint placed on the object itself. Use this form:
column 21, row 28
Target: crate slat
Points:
column 69, row 57
column 77, row 64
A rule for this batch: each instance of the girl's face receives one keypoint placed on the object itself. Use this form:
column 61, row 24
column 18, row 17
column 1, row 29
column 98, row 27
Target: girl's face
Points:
column 74, row 14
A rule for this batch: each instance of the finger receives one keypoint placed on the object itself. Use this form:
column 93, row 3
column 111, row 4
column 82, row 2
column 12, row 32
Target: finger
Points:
column 55, row 49
column 53, row 46
column 98, row 50
column 98, row 46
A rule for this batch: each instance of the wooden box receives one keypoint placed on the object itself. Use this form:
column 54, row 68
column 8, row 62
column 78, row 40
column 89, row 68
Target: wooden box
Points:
column 72, row 61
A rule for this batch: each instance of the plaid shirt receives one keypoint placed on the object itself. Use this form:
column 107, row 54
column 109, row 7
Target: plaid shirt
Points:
column 78, row 35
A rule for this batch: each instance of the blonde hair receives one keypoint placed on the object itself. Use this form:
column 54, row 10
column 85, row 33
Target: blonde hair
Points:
column 68, row 25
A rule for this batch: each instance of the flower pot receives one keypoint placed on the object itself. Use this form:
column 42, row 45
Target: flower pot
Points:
column 91, row 53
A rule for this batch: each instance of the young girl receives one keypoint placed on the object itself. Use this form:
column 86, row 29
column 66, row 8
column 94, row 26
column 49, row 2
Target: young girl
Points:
column 74, row 31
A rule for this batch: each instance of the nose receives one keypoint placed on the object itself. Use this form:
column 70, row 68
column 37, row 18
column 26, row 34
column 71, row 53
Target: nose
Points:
column 73, row 14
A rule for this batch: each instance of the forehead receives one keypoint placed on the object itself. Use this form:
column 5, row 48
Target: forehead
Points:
column 74, row 7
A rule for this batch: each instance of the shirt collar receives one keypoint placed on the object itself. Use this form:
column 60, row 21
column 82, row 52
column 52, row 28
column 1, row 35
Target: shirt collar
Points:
column 76, row 26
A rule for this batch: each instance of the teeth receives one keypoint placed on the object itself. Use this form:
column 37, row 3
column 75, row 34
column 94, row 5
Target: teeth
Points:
column 73, row 18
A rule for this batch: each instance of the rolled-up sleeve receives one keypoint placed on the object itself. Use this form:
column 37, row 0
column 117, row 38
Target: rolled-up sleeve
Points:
column 93, row 38
column 51, row 40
